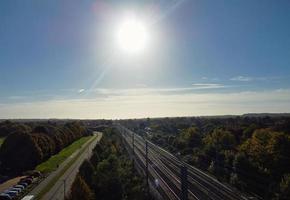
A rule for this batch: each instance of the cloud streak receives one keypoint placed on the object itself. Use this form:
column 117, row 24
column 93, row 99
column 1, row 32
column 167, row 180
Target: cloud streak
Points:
column 248, row 78
column 207, row 86
column 152, row 104
column 81, row 91
column 241, row 78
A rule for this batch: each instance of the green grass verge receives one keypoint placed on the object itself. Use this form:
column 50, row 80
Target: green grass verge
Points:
column 57, row 176
column 54, row 161
column 1, row 140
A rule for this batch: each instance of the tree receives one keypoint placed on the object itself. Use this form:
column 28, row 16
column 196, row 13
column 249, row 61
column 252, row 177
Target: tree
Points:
column 80, row 190
column 192, row 137
column 23, row 149
column 19, row 152
column 8, row 127
column 108, row 181
column 242, row 171
column 269, row 150
column 220, row 139
column 86, row 171
column 285, row 187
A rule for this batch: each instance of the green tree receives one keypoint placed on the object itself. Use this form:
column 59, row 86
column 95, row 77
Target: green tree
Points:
column 220, row 139
column 19, row 152
column 192, row 137
column 80, row 190
column 285, row 187
column 108, row 184
column 86, row 171
column 269, row 150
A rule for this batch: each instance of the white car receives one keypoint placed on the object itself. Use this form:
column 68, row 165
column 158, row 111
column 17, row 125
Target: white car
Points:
column 28, row 197
column 18, row 190
column 19, row 186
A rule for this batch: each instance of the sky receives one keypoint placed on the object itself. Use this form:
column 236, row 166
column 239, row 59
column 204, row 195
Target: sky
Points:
column 60, row 59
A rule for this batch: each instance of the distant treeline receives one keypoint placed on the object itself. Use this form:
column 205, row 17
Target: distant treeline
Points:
column 251, row 153
column 27, row 145
column 109, row 174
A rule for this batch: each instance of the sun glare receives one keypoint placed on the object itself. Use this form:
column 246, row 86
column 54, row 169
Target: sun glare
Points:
column 132, row 35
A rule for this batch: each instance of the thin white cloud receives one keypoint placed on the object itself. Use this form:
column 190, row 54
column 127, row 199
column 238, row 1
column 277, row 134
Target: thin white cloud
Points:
column 207, row 85
column 210, row 78
column 152, row 104
column 17, row 97
column 248, row 78
column 145, row 90
column 81, row 91
column 241, row 78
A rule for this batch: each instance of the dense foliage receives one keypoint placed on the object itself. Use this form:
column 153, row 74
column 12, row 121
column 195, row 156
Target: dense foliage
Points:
column 109, row 173
column 80, row 190
column 251, row 153
column 26, row 146
column 7, row 127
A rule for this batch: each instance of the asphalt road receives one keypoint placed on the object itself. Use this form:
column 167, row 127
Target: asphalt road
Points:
column 63, row 184
column 165, row 167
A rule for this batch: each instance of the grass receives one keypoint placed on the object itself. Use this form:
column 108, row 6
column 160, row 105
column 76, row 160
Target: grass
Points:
column 56, row 177
column 53, row 162
column 1, row 140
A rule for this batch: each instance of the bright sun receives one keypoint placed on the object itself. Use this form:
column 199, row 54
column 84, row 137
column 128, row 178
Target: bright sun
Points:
column 132, row 35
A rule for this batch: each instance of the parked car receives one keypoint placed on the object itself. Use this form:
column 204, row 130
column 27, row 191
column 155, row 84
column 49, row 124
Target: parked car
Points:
column 36, row 174
column 4, row 196
column 12, row 194
column 29, row 178
column 18, row 190
column 19, row 186
column 26, row 180
column 28, row 197
column 23, row 184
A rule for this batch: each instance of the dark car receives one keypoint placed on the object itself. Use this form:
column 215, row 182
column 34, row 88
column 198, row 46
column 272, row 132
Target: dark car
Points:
column 12, row 194
column 23, row 184
column 4, row 196
column 27, row 180
column 36, row 174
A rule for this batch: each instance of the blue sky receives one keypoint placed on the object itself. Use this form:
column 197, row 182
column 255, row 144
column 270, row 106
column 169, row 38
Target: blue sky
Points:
column 59, row 59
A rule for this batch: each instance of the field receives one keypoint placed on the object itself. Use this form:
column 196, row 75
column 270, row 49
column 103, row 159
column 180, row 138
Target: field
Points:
column 52, row 163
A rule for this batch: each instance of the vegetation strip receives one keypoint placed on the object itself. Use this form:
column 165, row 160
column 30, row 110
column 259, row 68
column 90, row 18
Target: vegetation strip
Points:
column 56, row 177
column 53, row 162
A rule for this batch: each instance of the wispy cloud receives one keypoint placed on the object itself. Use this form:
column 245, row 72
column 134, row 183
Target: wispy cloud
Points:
column 241, row 78
column 210, row 79
column 81, row 91
column 17, row 97
column 152, row 104
column 248, row 78
column 144, row 91
column 207, row 86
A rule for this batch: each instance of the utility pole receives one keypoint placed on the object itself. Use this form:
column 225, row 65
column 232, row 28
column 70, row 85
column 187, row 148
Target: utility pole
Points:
column 184, row 185
column 63, row 188
column 88, row 152
column 133, row 139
